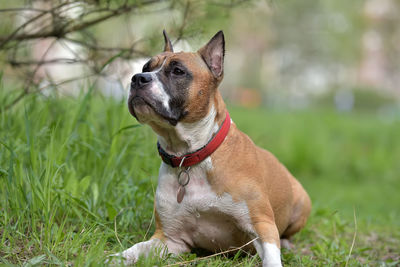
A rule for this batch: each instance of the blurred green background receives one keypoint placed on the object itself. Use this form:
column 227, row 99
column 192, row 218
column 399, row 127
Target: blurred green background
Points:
column 315, row 82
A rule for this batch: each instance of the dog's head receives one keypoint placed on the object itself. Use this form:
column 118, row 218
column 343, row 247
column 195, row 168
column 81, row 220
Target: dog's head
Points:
column 174, row 87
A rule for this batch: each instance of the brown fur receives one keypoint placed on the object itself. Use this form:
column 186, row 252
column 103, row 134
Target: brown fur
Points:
column 159, row 232
column 278, row 204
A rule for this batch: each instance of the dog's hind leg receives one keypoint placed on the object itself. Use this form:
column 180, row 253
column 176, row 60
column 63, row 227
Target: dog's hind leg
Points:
column 300, row 210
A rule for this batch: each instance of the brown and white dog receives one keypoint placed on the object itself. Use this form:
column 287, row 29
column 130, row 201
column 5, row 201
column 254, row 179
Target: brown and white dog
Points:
column 229, row 193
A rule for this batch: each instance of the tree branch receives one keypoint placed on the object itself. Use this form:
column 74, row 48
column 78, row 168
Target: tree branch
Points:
column 15, row 63
column 61, row 32
column 14, row 36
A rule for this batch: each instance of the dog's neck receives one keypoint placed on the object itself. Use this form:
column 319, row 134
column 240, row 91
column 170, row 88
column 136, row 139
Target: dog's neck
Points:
column 186, row 137
column 189, row 137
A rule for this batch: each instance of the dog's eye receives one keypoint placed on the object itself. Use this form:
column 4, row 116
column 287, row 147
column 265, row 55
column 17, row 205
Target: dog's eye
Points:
column 146, row 67
column 178, row 71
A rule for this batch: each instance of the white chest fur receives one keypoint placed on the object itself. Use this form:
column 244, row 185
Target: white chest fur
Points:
column 203, row 219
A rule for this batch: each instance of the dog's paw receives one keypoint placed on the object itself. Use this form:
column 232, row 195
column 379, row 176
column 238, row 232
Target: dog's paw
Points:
column 118, row 259
column 131, row 255
column 286, row 244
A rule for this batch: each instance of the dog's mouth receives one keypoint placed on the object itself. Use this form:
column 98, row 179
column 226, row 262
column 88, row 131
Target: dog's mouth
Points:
column 138, row 101
column 131, row 104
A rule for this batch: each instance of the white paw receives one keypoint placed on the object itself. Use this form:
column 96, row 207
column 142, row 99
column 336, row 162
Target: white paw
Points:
column 132, row 254
column 271, row 255
column 118, row 259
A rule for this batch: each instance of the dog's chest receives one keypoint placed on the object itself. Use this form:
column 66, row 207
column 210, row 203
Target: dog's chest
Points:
column 203, row 218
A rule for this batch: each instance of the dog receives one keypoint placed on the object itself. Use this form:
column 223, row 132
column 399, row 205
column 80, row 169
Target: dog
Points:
column 216, row 189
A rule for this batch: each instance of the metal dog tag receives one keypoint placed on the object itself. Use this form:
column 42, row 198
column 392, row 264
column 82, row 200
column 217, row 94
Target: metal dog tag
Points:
column 182, row 183
column 181, row 194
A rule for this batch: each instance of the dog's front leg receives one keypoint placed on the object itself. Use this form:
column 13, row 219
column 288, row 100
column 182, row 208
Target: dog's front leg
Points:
column 268, row 244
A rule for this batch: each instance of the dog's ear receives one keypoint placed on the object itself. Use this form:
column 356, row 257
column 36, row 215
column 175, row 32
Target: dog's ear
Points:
column 168, row 44
column 213, row 54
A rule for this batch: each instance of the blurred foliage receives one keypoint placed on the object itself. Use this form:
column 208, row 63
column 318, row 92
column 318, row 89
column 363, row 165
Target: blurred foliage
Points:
column 322, row 31
column 364, row 100
column 293, row 52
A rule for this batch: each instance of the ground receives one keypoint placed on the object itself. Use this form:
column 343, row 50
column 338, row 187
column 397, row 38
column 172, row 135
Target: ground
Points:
column 78, row 177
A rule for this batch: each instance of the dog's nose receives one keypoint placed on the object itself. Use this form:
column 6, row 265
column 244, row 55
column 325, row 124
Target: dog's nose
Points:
column 141, row 79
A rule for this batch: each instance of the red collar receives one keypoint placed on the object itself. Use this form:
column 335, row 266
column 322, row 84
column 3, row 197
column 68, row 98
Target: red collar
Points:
column 200, row 154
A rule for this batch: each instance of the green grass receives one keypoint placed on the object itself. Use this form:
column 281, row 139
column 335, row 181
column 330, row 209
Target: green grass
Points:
column 77, row 175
